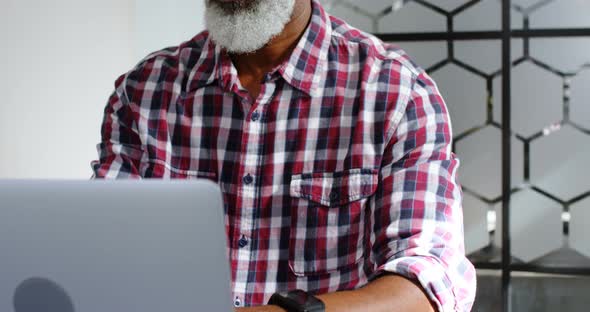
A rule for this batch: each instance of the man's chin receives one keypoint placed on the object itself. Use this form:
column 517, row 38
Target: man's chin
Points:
column 247, row 31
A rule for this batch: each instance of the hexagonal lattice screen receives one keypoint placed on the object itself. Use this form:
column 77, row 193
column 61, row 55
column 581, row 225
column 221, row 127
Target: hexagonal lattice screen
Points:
column 580, row 214
column 561, row 13
column 559, row 163
column 466, row 94
column 475, row 215
column 541, row 95
column 480, row 158
column 580, row 99
column 550, row 112
column 535, row 225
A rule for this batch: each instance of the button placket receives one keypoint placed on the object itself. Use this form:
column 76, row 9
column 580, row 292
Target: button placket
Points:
column 253, row 138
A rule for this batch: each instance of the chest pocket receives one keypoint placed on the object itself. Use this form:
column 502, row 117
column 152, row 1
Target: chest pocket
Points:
column 328, row 220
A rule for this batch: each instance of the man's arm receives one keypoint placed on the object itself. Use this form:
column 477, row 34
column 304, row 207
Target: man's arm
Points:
column 120, row 148
column 418, row 224
column 390, row 293
column 417, row 221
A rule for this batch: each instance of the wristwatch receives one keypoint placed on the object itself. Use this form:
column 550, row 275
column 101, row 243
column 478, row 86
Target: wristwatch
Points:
column 297, row 301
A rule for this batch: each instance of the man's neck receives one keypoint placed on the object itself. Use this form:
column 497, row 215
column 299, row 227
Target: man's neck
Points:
column 252, row 66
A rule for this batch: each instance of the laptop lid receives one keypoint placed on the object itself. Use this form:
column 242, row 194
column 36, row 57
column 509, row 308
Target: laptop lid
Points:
column 113, row 246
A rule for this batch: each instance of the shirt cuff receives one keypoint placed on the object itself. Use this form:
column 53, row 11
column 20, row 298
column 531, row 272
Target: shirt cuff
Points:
column 432, row 276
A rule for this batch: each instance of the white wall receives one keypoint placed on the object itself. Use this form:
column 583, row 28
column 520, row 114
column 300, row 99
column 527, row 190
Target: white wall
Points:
column 59, row 60
column 161, row 24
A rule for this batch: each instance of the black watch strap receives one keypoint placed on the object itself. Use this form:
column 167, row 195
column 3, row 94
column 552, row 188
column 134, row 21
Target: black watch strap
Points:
column 297, row 301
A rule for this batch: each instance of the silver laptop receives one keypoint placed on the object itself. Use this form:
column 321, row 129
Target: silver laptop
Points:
column 96, row 246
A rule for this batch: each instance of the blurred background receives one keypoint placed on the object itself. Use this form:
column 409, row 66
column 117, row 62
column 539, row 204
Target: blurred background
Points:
column 59, row 60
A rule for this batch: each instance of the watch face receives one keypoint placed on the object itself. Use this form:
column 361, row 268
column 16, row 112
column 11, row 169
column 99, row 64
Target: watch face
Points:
column 297, row 301
column 299, row 296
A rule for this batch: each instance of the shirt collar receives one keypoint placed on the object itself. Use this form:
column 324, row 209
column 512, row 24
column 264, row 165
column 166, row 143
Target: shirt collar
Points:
column 204, row 71
column 305, row 69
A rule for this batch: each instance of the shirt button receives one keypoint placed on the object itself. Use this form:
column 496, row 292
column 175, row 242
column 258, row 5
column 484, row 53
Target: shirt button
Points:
column 243, row 242
column 237, row 302
column 255, row 116
column 267, row 77
column 248, row 179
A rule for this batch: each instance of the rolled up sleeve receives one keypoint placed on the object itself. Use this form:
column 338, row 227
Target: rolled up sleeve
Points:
column 418, row 226
column 120, row 151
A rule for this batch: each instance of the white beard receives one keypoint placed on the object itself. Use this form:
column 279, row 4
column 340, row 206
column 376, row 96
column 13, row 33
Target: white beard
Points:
column 247, row 30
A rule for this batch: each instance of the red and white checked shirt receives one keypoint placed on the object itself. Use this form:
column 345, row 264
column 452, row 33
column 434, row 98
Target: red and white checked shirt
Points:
column 339, row 171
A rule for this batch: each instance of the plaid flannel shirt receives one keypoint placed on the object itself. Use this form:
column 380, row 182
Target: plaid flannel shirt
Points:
column 339, row 171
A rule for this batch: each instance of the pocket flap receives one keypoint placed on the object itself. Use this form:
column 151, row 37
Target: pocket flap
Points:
column 335, row 188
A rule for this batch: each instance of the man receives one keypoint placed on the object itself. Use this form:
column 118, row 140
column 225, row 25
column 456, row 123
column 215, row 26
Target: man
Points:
column 332, row 149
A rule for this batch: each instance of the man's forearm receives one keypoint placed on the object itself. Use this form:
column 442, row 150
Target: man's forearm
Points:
column 390, row 293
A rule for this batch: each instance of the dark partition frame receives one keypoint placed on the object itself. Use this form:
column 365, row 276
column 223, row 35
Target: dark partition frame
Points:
column 505, row 35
